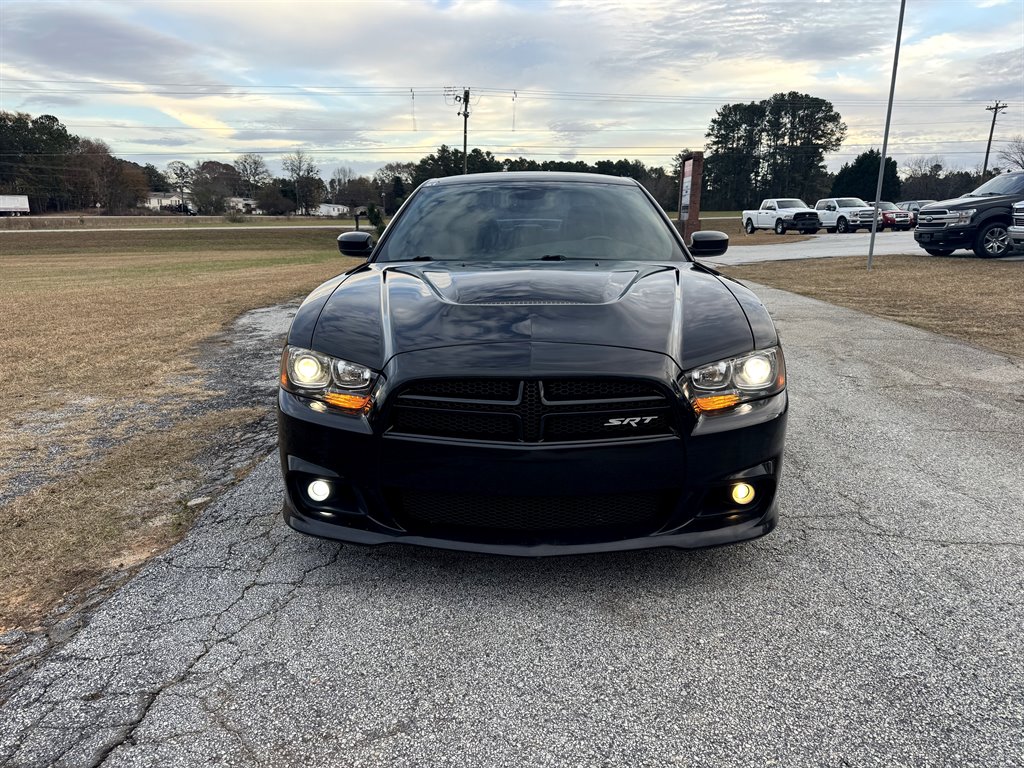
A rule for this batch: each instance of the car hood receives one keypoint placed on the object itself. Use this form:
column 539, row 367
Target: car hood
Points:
column 972, row 202
column 684, row 311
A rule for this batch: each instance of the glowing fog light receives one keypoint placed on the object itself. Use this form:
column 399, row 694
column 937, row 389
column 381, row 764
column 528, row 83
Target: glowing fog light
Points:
column 318, row 490
column 743, row 493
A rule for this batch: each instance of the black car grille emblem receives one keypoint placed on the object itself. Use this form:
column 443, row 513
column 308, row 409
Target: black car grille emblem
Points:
column 530, row 411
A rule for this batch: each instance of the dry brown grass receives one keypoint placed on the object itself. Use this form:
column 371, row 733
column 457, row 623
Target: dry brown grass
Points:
column 971, row 299
column 95, row 321
column 114, row 513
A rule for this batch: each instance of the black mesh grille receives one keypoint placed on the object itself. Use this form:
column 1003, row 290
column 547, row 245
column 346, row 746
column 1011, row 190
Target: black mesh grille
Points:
column 531, row 513
column 598, row 389
column 465, row 389
column 462, row 424
column 531, row 411
column 587, row 426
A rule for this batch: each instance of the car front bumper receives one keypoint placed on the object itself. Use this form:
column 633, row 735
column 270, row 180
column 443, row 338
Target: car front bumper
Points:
column 953, row 238
column 804, row 225
column 602, row 495
column 1016, row 237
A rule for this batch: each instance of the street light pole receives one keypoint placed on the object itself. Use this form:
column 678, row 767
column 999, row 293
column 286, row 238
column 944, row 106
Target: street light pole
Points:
column 885, row 136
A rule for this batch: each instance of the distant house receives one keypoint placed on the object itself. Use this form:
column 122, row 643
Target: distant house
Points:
column 331, row 209
column 13, row 205
column 242, row 204
column 160, row 200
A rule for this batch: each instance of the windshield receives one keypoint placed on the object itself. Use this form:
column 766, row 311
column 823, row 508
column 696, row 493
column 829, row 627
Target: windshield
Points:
column 1007, row 184
column 506, row 220
column 887, row 207
column 851, row 202
column 792, row 204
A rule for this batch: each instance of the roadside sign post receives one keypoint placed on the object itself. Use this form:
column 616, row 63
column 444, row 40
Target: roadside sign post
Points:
column 691, row 175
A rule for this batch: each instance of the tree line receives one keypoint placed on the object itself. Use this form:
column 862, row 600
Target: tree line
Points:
column 772, row 148
column 777, row 147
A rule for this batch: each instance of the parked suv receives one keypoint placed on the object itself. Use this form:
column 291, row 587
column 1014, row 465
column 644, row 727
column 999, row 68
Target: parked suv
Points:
column 914, row 206
column 894, row 218
column 845, row 214
column 979, row 220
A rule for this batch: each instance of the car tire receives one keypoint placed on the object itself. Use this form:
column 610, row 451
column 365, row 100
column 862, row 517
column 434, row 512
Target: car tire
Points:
column 842, row 226
column 749, row 228
column 938, row 251
column 992, row 241
column 780, row 228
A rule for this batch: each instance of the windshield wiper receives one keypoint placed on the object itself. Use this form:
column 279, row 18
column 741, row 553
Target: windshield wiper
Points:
column 552, row 257
column 422, row 258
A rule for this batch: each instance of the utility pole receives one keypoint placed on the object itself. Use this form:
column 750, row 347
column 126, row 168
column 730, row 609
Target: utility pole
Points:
column 995, row 109
column 464, row 114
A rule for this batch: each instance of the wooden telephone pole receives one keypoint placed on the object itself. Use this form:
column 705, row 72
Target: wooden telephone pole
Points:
column 995, row 109
column 464, row 114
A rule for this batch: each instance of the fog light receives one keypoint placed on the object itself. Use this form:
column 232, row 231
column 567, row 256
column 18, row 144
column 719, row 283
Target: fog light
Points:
column 319, row 490
column 743, row 493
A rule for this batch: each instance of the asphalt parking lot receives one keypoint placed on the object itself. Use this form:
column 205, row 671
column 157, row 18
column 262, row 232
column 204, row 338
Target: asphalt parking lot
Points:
column 879, row 625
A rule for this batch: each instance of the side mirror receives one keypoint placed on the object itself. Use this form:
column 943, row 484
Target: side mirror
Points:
column 355, row 243
column 709, row 243
column 830, row 207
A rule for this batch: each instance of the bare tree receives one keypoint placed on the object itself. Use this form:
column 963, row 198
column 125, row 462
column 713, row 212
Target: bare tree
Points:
column 181, row 176
column 253, row 170
column 1013, row 152
column 342, row 175
column 305, row 175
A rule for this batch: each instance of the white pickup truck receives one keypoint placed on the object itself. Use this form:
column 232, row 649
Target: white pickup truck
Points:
column 782, row 215
column 846, row 214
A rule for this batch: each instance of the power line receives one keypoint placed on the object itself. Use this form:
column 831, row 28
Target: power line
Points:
column 221, row 89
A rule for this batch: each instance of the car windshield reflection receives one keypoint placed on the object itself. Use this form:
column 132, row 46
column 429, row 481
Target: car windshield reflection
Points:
column 530, row 221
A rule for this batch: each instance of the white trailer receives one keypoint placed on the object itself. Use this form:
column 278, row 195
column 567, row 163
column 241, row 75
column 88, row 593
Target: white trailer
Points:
column 13, row 205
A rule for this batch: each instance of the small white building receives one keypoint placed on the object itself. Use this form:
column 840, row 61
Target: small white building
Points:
column 331, row 209
column 13, row 205
column 158, row 200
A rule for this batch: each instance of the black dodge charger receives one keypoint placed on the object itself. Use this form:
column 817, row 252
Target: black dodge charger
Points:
column 532, row 364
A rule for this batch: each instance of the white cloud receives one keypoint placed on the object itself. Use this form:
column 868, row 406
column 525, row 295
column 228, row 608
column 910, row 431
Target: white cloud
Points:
column 663, row 69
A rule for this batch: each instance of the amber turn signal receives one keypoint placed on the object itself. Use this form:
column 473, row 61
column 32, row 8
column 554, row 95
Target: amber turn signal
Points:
column 715, row 402
column 356, row 403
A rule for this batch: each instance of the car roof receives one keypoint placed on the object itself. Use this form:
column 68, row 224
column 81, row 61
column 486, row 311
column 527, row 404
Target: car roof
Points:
column 503, row 176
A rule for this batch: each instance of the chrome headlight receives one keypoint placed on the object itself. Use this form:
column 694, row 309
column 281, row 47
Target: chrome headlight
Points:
column 963, row 217
column 338, row 383
column 725, row 384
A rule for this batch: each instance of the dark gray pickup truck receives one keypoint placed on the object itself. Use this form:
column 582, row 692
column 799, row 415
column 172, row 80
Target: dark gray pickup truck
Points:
column 978, row 220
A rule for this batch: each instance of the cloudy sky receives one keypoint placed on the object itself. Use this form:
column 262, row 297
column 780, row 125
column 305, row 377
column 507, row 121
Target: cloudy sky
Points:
column 364, row 83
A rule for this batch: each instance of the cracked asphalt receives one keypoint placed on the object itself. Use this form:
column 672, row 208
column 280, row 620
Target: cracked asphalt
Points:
column 880, row 625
